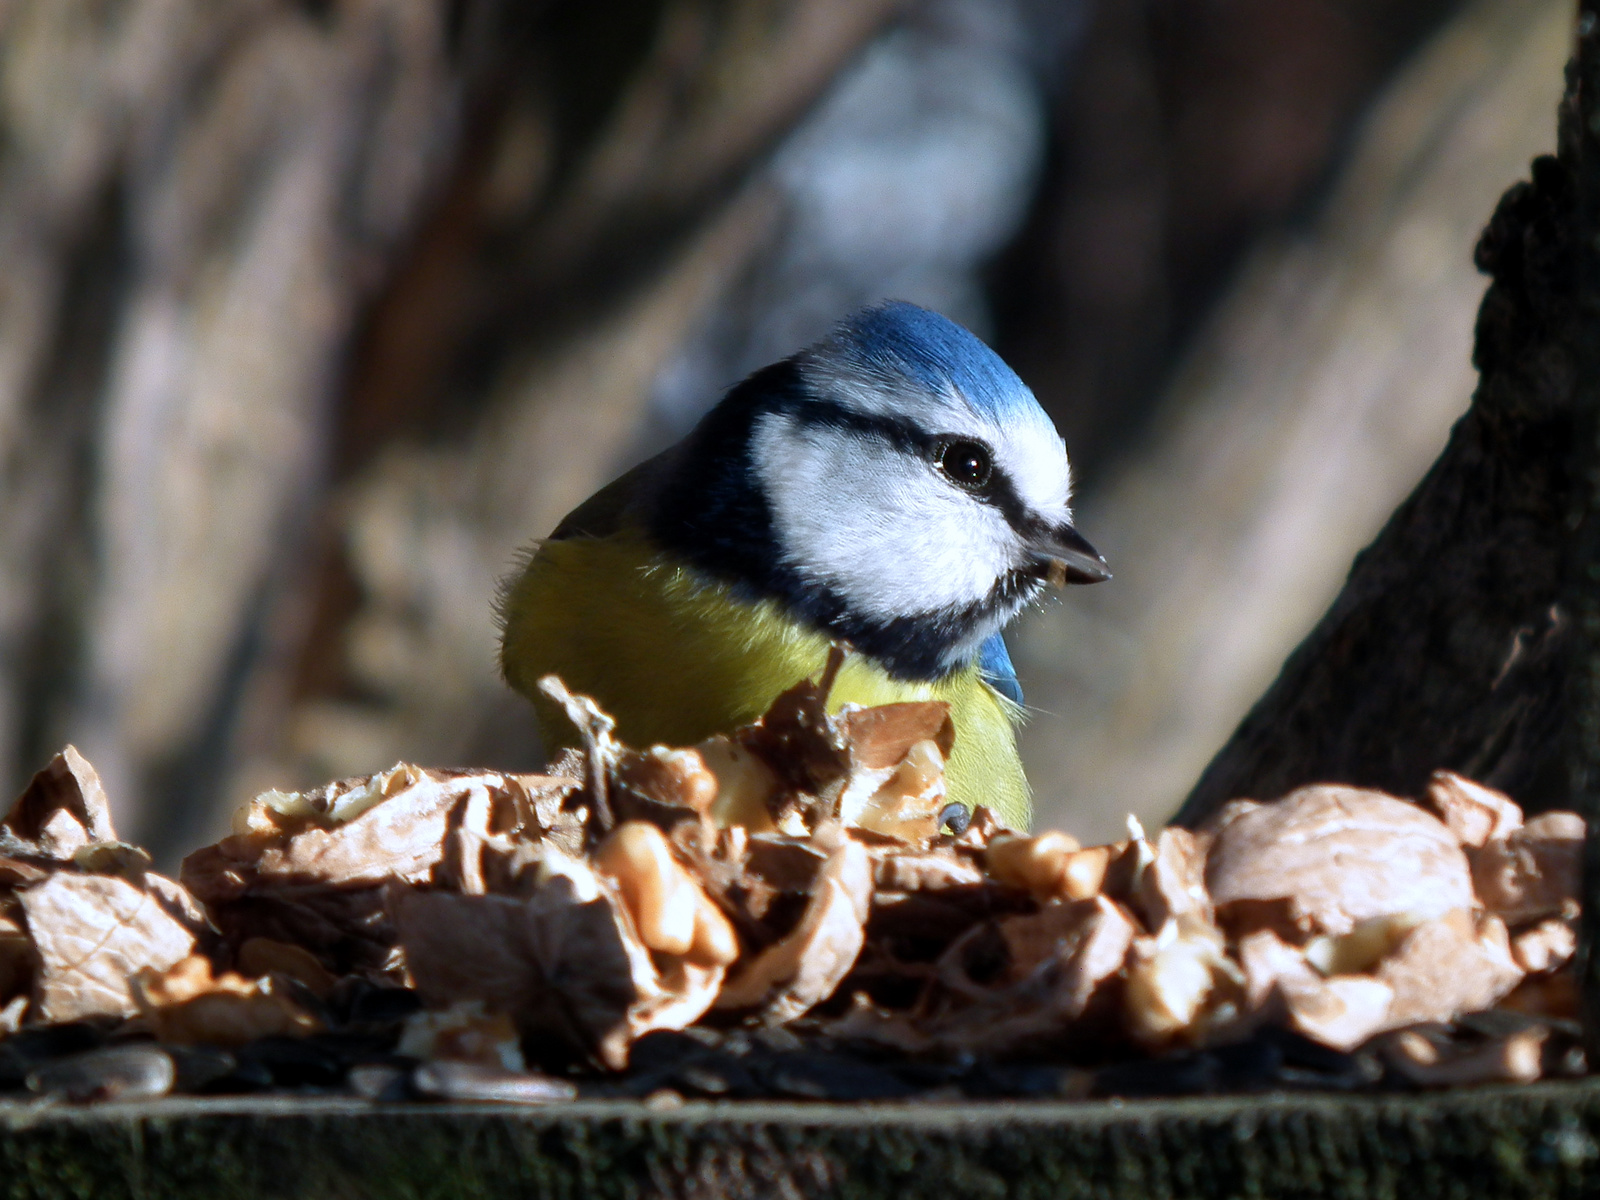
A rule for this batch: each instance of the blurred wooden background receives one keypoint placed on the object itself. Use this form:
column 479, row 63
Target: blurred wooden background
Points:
column 314, row 311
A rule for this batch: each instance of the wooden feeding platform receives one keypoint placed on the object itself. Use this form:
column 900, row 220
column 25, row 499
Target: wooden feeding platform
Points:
column 1540, row 1140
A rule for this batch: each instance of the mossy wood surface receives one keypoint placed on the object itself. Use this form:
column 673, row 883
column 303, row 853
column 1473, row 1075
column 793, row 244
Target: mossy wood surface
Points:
column 1542, row 1140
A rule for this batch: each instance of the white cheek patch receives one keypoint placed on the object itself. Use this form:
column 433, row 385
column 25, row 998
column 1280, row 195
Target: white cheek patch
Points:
column 874, row 524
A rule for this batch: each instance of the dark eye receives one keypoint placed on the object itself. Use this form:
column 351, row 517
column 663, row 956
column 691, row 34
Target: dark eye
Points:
column 966, row 463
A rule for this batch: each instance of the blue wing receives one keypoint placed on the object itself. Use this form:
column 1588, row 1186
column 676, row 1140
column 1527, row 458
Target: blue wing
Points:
column 994, row 665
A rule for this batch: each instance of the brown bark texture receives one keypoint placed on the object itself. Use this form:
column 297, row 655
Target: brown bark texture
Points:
column 248, row 242
column 1452, row 642
column 1581, row 745
column 1323, row 386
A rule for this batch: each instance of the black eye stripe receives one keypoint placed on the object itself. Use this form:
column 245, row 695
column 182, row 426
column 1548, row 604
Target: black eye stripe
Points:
column 827, row 414
column 1000, row 491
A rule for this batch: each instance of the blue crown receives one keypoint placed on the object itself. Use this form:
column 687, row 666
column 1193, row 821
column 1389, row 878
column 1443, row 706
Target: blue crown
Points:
column 897, row 338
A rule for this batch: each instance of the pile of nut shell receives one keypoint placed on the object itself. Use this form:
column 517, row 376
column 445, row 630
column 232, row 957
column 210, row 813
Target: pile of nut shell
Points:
column 789, row 910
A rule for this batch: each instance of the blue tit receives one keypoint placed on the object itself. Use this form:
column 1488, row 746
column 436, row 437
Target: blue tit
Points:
column 894, row 487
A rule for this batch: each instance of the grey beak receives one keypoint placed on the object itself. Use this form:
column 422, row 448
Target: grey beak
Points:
column 1072, row 559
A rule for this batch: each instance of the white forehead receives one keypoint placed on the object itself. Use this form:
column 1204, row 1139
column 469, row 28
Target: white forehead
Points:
column 1026, row 445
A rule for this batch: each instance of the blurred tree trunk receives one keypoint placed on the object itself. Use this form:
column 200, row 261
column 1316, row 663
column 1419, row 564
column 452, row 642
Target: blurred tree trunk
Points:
column 1187, row 129
column 200, row 201
column 1452, row 643
column 1580, row 745
column 1320, row 390
column 196, row 199
column 317, row 310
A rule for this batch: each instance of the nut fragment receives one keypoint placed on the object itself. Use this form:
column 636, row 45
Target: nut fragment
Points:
column 745, row 784
column 1548, row 945
column 714, row 943
column 1172, row 978
column 566, row 961
column 675, row 775
column 907, row 804
column 1362, row 948
column 1512, row 1058
column 882, row 736
column 1166, row 987
column 1038, row 864
column 1534, row 871
column 1339, row 855
column 1269, row 961
column 92, row 934
column 1474, row 813
column 661, row 898
column 670, row 910
column 1341, row 1012
column 1226, row 815
column 1057, row 931
column 1451, row 965
column 186, row 1005
column 803, row 968
column 911, row 871
column 668, row 777
column 1173, row 883
column 463, row 1032
column 1084, row 872
column 263, row 956
column 1062, row 959
column 67, row 787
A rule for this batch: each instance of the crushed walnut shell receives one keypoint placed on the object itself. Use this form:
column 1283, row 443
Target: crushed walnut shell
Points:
column 788, row 909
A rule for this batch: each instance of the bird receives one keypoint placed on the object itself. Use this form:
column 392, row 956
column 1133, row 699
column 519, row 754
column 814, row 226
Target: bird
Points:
column 895, row 488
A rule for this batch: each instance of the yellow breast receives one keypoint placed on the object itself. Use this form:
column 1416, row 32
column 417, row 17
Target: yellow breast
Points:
column 675, row 658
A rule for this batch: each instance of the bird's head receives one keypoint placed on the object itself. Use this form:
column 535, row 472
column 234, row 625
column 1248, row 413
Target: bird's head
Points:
column 895, row 484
